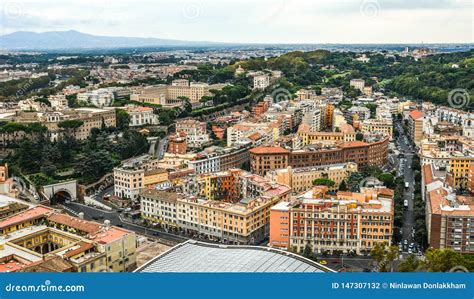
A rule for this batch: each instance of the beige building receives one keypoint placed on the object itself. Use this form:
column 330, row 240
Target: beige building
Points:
column 170, row 95
column 378, row 125
column 244, row 219
column 128, row 181
column 41, row 238
column 301, row 179
column 357, row 84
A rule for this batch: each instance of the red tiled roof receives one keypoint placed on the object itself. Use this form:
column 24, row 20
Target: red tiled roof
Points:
column 269, row 150
column 428, row 174
column 83, row 225
column 83, row 247
column 33, row 213
column 353, row 144
column 415, row 114
column 109, row 235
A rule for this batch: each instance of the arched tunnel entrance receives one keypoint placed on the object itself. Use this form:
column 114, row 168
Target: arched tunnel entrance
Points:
column 60, row 197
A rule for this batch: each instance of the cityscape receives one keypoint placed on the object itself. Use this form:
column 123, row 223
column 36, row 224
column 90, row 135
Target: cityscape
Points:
column 134, row 154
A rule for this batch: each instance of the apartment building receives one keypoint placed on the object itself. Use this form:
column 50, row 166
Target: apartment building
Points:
column 261, row 81
column 301, row 179
column 375, row 153
column 384, row 126
column 415, row 126
column 459, row 166
column 244, row 219
column 128, row 181
column 195, row 132
column 215, row 159
column 177, row 144
column 350, row 222
column 266, row 158
column 450, row 220
column 357, row 84
column 307, row 136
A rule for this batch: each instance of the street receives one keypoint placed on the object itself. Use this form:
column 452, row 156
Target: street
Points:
column 116, row 219
column 405, row 169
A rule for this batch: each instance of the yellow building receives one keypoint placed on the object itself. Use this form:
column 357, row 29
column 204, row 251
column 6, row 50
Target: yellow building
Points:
column 155, row 176
column 377, row 125
column 329, row 111
column 235, row 214
column 459, row 170
column 301, row 179
column 38, row 233
column 346, row 133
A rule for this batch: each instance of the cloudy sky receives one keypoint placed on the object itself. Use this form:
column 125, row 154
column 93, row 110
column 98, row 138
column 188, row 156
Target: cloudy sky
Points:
column 262, row 21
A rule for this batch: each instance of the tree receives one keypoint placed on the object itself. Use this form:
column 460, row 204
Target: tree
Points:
column 354, row 180
column 343, row 186
column 70, row 124
column 442, row 260
column 323, row 182
column 123, row 119
column 308, row 251
column 359, row 136
column 384, row 255
column 409, row 264
column 387, row 178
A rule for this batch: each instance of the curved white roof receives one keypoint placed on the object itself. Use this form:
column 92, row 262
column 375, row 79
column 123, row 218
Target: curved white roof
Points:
column 193, row 256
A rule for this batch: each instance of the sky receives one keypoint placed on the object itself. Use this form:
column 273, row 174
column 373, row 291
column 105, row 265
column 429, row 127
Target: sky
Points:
column 251, row 21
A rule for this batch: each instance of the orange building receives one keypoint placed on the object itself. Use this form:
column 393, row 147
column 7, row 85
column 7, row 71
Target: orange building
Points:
column 265, row 158
column 351, row 222
column 177, row 144
column 329, row 110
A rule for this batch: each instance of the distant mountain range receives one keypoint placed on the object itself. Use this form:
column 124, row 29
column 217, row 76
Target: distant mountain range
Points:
column 57, row 40
column 72, row 40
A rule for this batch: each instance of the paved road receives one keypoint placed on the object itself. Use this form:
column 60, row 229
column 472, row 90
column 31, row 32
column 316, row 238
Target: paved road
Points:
column 91, row 213
column 406, row 149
